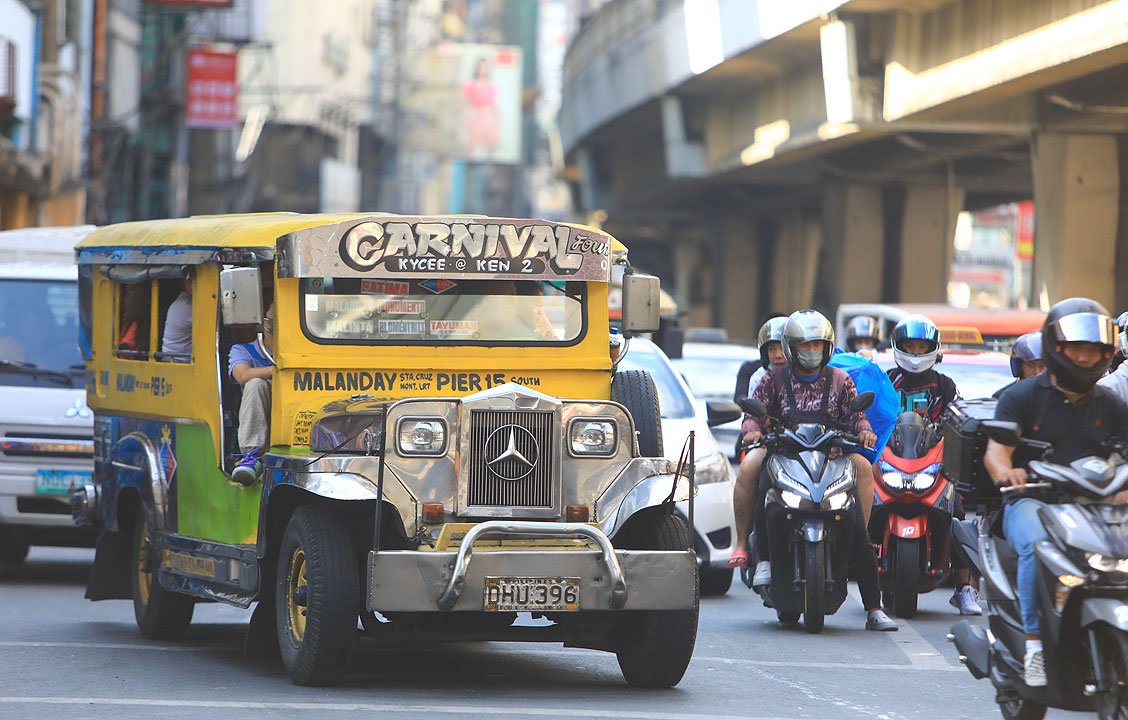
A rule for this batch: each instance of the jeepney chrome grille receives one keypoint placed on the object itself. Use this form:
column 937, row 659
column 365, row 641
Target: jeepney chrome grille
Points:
column 511, row 458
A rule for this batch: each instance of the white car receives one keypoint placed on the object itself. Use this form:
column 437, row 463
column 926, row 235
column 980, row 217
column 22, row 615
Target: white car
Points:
column 713, row 522
column 710, row 369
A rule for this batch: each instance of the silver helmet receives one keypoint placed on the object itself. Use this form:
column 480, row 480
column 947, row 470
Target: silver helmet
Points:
column 771, row 331
column 803, row 326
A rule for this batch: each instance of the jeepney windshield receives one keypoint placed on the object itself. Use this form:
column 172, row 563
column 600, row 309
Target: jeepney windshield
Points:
column 440, row 311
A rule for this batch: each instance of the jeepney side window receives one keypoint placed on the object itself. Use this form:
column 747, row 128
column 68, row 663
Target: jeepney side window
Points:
column 174, row 319
column 133, row 330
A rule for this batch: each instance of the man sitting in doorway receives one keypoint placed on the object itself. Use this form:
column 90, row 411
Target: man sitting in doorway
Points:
column 251, row 365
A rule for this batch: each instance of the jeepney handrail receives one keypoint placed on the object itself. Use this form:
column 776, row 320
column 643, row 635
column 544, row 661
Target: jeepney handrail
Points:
column 457, row 582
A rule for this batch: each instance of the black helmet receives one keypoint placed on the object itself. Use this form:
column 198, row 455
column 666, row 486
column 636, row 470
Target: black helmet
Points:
column 803, row 326
column 1077, row 320
column 860, row 328
column 771, row 331
column 1026, row 347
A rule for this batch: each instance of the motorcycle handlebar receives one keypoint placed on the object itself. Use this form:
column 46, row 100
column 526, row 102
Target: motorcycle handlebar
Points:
column 1028, row 486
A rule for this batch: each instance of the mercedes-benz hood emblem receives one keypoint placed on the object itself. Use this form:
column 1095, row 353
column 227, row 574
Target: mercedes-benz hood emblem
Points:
column 513, row 462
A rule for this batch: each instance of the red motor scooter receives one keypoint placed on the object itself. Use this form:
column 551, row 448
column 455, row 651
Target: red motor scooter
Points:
column 912, row 514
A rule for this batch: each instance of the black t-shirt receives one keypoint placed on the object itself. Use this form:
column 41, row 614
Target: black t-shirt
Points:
column 1076, row 430
column 929, row 393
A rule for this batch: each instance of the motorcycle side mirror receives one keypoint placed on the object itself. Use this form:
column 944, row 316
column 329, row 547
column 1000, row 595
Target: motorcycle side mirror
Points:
column 720, row 412
column 862, row 401
column 753, row 407
column 1002, row 432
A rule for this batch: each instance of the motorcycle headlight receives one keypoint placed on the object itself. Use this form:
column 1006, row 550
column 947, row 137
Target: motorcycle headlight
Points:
column 894, row 479
column 421, row 436
column 923, row 481
column 1107, row 564
column 838, row 501
column 592, row 437
column 713, row 468
column 791, row 499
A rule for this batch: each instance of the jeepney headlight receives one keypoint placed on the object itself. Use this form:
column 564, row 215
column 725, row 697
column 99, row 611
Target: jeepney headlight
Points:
column 421, row 436
column 592, row 437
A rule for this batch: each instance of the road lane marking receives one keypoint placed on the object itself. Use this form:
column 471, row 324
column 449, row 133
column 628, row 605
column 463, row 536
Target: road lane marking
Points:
column 522, row 650
column 111, row 646
column 922, row 654
column 380, row 707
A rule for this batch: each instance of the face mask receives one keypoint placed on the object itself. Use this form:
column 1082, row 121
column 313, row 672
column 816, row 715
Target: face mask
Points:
column 809, row 359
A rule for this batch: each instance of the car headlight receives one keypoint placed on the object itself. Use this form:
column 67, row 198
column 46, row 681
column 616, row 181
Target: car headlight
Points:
column 416, row 436
column 592, row 437
column 1107, row 564
column 713, row 468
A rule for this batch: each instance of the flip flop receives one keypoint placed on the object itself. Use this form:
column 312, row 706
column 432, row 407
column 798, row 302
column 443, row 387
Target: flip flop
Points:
column 739, row 559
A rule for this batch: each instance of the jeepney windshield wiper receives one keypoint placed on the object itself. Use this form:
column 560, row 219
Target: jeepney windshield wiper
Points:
column 35, row 371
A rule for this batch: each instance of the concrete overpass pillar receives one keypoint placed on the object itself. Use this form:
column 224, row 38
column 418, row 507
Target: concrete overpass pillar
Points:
column 740, row 275
column 1076, row 208
column 795, row 258
column 853, row 226
column 928, row 226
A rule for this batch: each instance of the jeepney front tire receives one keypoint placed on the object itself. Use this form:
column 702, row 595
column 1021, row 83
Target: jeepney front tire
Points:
column 655, row 646
column 161, row 614
column 317, row 597
column 635, row 390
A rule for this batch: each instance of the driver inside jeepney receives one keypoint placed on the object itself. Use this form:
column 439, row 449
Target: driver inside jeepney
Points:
column 443, row 311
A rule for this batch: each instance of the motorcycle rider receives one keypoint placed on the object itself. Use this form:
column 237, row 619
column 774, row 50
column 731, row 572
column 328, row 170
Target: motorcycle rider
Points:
column 863, row 335
column 1063, row 406
column 1025, row 360
column 806, row 389
column 925, row 390
column 1117, row 379
column 771, row 355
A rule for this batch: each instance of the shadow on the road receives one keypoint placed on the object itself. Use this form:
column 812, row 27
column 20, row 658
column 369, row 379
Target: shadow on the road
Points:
column 47, row 572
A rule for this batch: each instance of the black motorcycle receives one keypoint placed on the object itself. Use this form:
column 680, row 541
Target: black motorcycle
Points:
column 1083, row 584
column 808, row 503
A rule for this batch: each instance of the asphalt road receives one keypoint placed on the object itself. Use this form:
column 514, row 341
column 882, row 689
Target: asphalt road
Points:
column 64, row 657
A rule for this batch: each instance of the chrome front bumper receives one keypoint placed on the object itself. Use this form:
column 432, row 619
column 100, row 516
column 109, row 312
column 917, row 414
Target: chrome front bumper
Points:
column 412, row 581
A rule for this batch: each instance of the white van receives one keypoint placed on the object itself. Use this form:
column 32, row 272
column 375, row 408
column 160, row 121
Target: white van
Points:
column 46, row 430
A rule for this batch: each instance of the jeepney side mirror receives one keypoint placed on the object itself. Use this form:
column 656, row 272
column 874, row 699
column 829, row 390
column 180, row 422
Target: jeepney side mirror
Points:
column 240, row 296
column 640, row 304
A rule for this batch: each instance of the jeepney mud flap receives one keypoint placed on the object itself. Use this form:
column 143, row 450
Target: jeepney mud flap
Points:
column 410, row 581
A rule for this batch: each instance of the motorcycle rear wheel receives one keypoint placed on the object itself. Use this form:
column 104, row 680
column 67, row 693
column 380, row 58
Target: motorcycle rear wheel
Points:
column 814, row 587
column 1113, row 703
column 1016, row 707
column 906, row 577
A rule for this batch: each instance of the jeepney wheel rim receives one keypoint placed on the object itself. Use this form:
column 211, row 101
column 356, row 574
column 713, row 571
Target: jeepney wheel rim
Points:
column 144, row 577
column 296, row 579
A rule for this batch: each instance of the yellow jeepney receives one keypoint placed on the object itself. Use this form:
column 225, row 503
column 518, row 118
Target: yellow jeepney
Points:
column 449, row 441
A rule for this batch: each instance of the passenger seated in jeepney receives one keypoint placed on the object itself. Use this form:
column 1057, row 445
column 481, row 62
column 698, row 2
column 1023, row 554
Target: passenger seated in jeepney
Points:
column 251, row 365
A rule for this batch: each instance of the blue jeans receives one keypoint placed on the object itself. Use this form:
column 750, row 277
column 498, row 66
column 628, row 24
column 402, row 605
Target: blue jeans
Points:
column 1024, row 530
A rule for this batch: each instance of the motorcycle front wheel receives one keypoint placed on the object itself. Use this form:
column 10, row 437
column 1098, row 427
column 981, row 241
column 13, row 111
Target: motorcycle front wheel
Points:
column 1113, row 703
column 906, row 576
column 814, row 587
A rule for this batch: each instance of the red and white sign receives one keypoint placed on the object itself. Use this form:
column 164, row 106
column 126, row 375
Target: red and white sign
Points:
column 213, row 90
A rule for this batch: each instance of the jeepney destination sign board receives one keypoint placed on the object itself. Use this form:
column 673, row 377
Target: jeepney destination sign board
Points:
column 414, row 247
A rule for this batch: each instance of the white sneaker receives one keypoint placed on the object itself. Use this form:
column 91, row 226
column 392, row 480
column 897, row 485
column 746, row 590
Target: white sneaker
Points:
column 1035, row 669
column 763, row 574
column 966, row 600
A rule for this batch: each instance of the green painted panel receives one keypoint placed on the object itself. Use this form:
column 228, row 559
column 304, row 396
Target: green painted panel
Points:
column 209, row 506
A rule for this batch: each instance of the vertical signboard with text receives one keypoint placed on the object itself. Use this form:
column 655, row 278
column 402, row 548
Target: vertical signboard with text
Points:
column 213, row 90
